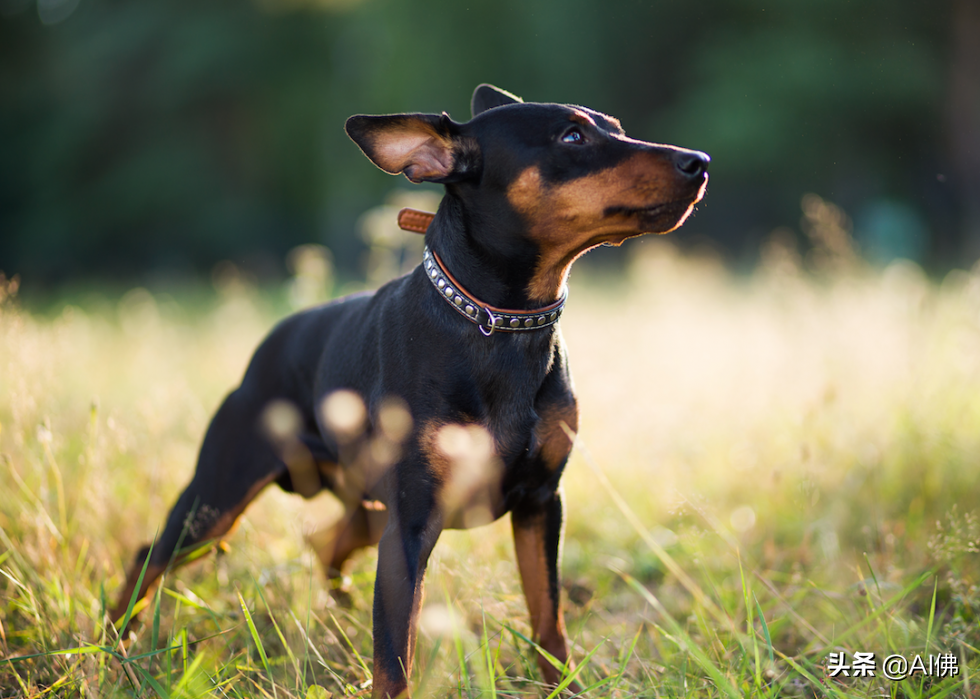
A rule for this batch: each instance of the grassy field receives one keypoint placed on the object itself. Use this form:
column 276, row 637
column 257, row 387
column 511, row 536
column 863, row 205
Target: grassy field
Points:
column 770, row 469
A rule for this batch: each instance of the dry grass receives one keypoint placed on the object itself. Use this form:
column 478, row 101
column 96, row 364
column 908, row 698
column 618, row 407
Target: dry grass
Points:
column 769, row 469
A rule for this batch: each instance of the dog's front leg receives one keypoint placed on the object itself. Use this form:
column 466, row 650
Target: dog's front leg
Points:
column 537, row 542
column 414, row 525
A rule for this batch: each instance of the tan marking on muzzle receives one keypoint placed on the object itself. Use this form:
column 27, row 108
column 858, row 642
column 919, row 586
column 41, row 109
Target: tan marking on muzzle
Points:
column 569, row 218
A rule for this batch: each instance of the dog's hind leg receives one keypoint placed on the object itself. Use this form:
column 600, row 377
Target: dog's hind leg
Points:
column 361, row 525
column 235, row 464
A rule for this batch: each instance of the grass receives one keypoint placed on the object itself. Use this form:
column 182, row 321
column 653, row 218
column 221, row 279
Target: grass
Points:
column 770, row 469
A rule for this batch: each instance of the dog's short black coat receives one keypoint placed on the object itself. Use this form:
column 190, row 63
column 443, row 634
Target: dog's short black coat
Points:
column 529, row 188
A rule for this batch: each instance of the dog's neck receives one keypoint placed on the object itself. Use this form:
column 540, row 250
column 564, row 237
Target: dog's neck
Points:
column 496, row 264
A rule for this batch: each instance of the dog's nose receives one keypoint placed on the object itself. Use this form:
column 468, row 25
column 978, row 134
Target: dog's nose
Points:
column 692, row 163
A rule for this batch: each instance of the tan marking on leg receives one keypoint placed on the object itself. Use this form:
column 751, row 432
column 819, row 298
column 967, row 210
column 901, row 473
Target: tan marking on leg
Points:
column 436, row 460
column 384, row 687
column 227, row 520
column 547, row 622
column 551, row 435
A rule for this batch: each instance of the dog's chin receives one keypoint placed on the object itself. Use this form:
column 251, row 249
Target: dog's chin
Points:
column 656, row 220
column 665, row 217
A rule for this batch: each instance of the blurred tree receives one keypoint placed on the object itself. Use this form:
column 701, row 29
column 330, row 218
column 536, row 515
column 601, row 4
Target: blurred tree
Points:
column 964, row 118
column 169, row 135
column 159, row 134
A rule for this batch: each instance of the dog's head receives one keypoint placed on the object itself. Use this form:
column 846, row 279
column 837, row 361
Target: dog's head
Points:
column 560, row 177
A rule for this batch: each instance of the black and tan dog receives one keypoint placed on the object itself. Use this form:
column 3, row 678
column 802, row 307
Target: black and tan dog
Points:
column 429, row 404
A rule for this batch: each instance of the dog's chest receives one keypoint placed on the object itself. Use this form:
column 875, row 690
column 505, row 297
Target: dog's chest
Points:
column 483, row 470
column 512, row 454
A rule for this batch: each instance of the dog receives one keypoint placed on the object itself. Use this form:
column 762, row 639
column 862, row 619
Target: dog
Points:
column 443, row 399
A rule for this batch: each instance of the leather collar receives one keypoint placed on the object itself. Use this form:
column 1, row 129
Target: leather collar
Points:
column 488, row 318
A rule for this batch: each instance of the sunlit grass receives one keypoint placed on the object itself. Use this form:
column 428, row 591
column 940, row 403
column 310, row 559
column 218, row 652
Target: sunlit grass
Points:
column 770, row 468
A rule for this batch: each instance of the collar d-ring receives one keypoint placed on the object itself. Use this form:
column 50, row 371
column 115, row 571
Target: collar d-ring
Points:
column 491, row 319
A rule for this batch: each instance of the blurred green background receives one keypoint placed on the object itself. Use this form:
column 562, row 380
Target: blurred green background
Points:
column 151, row 139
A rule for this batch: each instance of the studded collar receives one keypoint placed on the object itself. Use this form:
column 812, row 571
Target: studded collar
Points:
column 488, row 318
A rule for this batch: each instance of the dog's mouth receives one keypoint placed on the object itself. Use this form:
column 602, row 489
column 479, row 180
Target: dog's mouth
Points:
column 658, row 218
column 662, row 213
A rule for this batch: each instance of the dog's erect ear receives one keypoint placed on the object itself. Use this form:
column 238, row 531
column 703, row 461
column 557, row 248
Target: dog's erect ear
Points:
column 425, row 147
column 487, row 97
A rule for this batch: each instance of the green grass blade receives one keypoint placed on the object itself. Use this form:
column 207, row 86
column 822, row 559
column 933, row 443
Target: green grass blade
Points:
column 304, row 631
column 152, row 681
column 885, row 607
column 189, row 674
column 570, row 676
column 719, row 678
column 489, row 659
column 567, row 678
column 155, row 633
column 545, row 654
column 749, row 623
column 810, row 677
column 429, row 668
column 76, row 650
column 185, row 600
column 626, row 658
column 461, row 657
column 136, row 590
column 932, row 618
column 275, row 625
column 659, row 551
column 932, row 613
column 360, row 660
column 765, row 628
column 255, row 637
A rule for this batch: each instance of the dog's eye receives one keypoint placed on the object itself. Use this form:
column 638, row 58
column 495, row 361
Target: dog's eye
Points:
column 573, row 135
